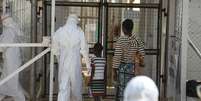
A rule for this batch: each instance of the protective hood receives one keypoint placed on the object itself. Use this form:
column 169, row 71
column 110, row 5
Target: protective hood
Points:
column 72, row 20
column 141, row 88
column 68, row 35
column 8, row 21
column 14, row 34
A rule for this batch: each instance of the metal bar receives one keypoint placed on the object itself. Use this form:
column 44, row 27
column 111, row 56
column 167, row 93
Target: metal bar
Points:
column 51, row 76
column 24, row 45
column 33, row 49
column 166, row 50
column 51, row 55
column 159, row 36
column 194, row 47
column 88, row 17
column 45, row 43
column 106, row 28
column 24, row 66
column 99, row 22
column 105, row 42
column 147, row 51
column 103, row 26
column 45, row 18
column 79, row 4
column 46, row 57
column 95, row 4
column 128, row 5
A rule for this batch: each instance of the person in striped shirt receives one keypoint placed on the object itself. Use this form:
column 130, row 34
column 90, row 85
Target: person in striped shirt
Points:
column 97, row 85
column 128, row 57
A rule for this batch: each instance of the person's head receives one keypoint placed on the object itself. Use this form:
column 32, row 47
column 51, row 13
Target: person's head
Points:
column 141, row 88
column 127, row 27
column 98, row 49
column 72, row 20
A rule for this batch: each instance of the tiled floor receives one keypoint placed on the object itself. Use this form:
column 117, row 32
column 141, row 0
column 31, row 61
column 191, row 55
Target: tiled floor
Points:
column 110, row 97
column 87, row 99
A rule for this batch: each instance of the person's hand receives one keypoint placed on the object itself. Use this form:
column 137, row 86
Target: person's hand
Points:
column 135, row 68
column 138, row 70
column 89, row 71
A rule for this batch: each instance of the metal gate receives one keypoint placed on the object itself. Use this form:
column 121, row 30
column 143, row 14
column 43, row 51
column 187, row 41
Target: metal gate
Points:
column 100, row 18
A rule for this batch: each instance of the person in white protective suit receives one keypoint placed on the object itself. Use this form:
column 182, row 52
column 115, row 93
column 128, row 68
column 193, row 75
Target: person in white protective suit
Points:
column 68, row 42
column 141, row 88
column 11, row 59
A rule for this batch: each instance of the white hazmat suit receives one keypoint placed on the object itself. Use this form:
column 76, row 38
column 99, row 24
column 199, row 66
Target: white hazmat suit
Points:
column 11, row 59
column 141, row 88
column 68, row 42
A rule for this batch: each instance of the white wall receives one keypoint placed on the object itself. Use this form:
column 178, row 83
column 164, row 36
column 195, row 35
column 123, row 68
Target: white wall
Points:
column 193, row 64
column 194, row 31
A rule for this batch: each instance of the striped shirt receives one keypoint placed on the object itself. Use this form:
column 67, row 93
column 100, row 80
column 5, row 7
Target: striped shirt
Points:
column 97, row 85
column 99, row 69
column 125, row 49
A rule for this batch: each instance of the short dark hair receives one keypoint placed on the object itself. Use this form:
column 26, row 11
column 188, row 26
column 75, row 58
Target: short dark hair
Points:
column 98, row 49
column 128, row 25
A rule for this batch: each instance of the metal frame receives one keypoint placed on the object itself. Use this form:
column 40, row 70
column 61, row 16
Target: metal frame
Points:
column 33, row 50
column 159, row 36
column 147, row 51
column 45, row 34
column 166, row 49
column 51, row 54
column 96, row 4
column 24, row 66
column 79, row 4
column 104, row 3
column 101, row 4
column 128, row 5
column 45, row 43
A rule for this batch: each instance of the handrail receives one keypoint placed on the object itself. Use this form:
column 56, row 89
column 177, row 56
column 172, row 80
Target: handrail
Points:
column 194, row 47
column 23, row 45
column 51, row 53
column 24, row 66
column 45, row 43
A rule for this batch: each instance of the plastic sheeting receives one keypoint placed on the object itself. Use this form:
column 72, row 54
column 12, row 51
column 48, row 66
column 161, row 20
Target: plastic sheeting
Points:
column 11, row 59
